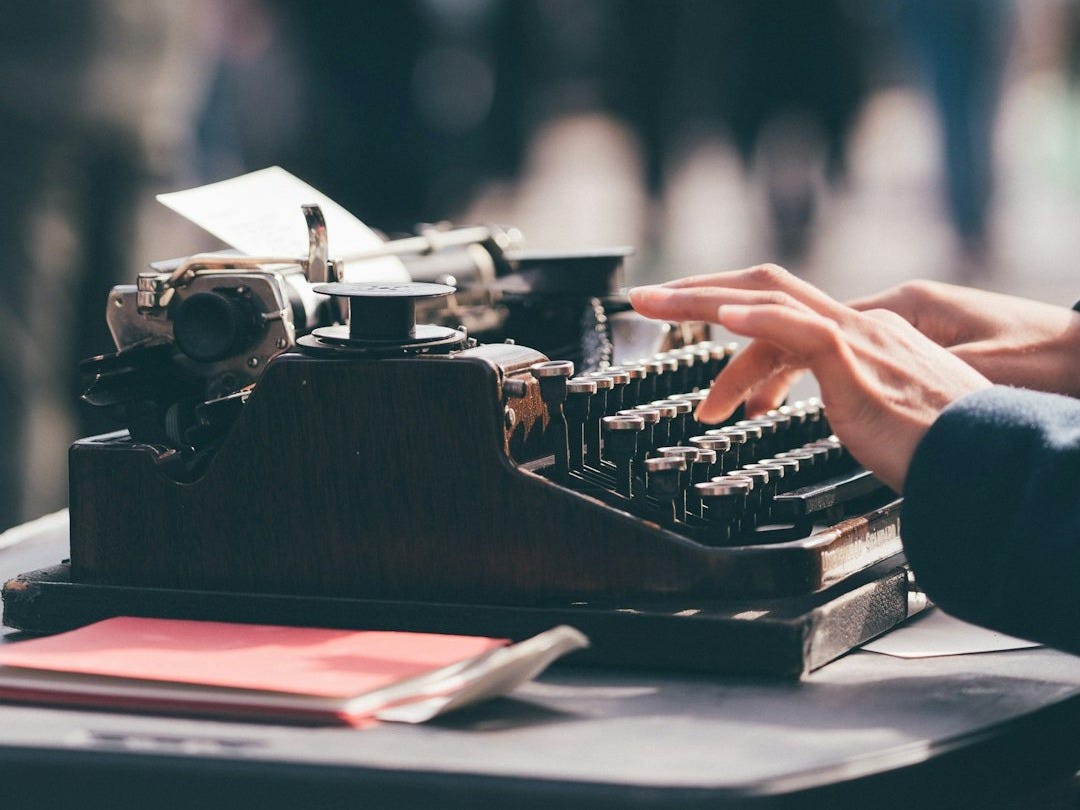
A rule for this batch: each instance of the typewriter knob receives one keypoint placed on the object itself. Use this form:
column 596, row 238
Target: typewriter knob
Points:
column 383, row 311
column 382, row 319
column 210, row 326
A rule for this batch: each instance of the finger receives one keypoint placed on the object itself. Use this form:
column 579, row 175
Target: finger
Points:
column 701, row 303
column 787, row 337
column 766, row 277
column 758, row 361
column 772, row 391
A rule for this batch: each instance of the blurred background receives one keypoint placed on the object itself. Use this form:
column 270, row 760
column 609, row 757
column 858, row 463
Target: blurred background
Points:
column 860, row 143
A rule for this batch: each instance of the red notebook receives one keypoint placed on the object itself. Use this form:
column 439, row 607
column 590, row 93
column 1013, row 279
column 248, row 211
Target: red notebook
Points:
column 216, row 668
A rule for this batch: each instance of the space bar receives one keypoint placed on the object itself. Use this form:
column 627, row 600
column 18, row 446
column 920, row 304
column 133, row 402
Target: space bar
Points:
column 824, row 494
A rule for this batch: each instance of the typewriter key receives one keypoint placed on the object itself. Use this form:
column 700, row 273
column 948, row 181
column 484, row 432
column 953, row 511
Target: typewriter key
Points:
column 620, row 447
column 791, row 479
column 552, row 376
column 724, row 499
column 598, row 408
column 690, row 455
column 664, row 478
column 637, row 373
column 653, row 370
column 668, row 412
column 616, row 397
column 578, row 393
column 646, row 441
column 739, row 438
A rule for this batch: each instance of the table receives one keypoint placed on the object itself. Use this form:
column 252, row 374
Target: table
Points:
column 983, row 730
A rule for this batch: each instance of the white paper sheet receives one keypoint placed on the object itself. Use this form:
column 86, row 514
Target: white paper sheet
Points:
column 259, row 214
column 495, row 674
column 934, row 632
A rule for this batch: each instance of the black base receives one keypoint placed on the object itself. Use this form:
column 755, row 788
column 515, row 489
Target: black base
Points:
column 782, row 637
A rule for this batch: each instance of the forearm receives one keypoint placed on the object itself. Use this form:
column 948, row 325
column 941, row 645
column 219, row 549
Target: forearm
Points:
column 991, row 519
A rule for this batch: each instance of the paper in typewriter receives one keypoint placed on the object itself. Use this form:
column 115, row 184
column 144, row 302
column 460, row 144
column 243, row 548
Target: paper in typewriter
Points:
column 260, row 214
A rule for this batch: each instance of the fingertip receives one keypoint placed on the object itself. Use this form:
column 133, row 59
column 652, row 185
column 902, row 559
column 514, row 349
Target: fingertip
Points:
column 714, row 409
column 645, row 294
column 706, row 417
column 731, row 315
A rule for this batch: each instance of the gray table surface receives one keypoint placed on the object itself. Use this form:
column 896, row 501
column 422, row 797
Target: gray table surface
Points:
column 644, row 736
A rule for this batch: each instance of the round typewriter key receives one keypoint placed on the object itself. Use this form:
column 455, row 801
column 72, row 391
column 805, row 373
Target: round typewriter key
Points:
column 578, row 393
column 833, row 446
column 620, row 446
column 625, row 421
column 552, row 368
column 664, row 483
column 758, row 495
column 580, row 385
column 664, row 464
column 653, row 368
column 767, row 425
column 806, row 457
column 776, row 471
column 753, row 428
column 603, row 381
column 552, row 376
column 719, row 442
column 666, row 408
column 791, row 472
column 724, row 500
column 717, row 359
column 765, row 443
column 665, row 381
column 723, row 485
column 781, row 420
column 706, row 464
column 739, row 438
column 700, row 377
column 820, row 454
column 684, row 375
column 650, row 415
column 795, row 415
column 817, row 425
column 647, row 439
column 701, row 471
column 690, row 456
column 637, row 374
column 683, row 409
column 737, row 435
column 598, row 408
column 706, row 456
column 807, row 462
column 689, row 453
column 618, row 395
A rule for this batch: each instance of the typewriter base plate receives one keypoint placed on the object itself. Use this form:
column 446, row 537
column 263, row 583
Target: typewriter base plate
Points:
column 778, row 637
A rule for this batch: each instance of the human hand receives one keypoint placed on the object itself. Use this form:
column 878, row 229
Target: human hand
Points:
column 883, row 381
column 1013, row 341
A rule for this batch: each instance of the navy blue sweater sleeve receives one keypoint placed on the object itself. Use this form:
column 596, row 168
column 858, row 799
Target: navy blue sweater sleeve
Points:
column 991, row 515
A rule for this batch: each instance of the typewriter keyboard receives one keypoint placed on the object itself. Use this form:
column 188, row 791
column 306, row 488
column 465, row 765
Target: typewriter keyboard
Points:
column 627, row 436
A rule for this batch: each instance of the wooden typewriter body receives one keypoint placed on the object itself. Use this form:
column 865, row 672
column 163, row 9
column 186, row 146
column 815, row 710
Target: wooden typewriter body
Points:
column 420, row 491
column 393, row 478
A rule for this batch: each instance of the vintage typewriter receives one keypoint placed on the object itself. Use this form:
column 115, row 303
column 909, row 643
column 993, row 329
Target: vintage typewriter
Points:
column 496, row 468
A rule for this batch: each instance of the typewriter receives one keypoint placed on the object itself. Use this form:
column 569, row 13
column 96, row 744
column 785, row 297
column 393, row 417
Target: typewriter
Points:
column 353, row 454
